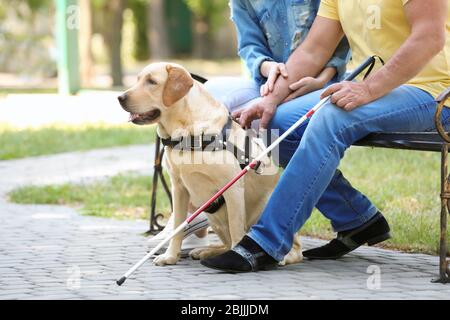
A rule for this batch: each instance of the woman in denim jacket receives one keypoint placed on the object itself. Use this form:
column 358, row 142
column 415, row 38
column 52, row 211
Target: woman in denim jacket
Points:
column 268, row 32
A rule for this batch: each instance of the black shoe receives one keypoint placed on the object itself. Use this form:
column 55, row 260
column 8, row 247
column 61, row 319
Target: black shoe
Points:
column 246, row 256
column 374, row 231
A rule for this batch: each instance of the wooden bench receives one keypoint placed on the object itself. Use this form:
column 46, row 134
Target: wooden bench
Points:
column 420, row 141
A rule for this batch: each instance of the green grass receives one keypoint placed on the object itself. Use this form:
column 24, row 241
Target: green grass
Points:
column 19, row 143
column 403, row 184
column 125, row 196
column 6, row 91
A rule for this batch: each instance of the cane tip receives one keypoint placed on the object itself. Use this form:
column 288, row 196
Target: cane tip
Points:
column 121, row 281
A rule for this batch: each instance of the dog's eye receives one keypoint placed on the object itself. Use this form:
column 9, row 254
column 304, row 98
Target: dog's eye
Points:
column 150, row 81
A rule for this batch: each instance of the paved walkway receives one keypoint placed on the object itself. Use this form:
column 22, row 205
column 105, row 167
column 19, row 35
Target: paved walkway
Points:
column 52, row 252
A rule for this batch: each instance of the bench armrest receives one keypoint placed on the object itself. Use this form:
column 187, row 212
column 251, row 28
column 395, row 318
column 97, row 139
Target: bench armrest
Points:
column 443, row 96
column 441, row 100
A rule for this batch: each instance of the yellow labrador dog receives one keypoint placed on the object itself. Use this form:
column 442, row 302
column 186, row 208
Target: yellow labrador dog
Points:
column 166, row 94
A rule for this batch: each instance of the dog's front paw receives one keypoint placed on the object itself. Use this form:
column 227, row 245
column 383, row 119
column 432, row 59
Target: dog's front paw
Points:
column 166, row 259
column 196, row 253
column 291, row 258
column 203, row 253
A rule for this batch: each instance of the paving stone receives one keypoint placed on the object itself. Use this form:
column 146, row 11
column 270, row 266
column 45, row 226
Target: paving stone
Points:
column 19, row 296
column 47, row 251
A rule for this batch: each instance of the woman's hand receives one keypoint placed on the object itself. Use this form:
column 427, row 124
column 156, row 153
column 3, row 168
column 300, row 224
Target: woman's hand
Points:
column 304, row 86
column 275, row 69
column 349, row 95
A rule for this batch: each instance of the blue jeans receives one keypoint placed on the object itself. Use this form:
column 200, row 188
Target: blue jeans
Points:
column 313, row 152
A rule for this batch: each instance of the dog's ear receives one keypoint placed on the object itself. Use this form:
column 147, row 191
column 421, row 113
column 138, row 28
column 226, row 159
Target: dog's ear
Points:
column 178, row 84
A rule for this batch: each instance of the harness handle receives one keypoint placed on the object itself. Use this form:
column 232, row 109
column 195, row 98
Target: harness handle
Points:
column 368, row 63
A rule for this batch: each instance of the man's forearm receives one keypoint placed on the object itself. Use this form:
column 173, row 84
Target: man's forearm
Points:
column 299, row 65
column 402, row 67
column 426, row 40
column 310, row 58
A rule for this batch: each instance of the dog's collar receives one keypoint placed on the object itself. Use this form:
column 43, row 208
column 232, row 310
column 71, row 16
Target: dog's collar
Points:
column 215, row 142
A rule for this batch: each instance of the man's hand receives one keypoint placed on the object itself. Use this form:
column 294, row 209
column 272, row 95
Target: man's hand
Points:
column 262, row 109
column 274, row 71
column 349, row 95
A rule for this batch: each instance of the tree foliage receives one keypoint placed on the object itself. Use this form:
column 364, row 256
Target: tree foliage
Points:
column 25, row 37
column 141, row 44
column 31, row 5
column 37, row 4
column 211, row 11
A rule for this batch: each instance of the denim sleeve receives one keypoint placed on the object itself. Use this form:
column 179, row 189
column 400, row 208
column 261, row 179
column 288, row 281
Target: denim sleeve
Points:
column 252, row 43
column 340, row 58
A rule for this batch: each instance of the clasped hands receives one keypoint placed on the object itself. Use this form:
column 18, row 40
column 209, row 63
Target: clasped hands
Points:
column 346, row 95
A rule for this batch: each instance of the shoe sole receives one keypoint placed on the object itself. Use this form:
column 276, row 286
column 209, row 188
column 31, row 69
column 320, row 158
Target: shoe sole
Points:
column 371, row 242
column 379, row 239
column 192, row 229
column 184, row 253
column 266, row 268
column 196, row 227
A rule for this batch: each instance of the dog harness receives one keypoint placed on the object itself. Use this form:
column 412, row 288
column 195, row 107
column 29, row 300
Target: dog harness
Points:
column 215, row 142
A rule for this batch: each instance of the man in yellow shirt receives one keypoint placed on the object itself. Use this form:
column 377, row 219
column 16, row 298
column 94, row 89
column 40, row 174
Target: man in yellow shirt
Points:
column 413, row 37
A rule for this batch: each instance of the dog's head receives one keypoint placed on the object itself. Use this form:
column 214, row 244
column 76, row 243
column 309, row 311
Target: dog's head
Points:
column 159, row 87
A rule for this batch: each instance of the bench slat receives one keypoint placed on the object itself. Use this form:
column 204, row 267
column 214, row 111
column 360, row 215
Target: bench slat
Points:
column 419, row 141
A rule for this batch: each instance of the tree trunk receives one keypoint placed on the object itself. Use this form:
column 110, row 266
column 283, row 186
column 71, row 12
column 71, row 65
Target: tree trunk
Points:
column 85, row 39
column 202, row 39
column 159, row 43
column 113, row 32
column 141, row 50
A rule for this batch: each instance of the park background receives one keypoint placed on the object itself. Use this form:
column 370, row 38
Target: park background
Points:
column 58, row 86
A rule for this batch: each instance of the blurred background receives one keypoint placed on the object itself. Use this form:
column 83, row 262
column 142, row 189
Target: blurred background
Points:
column 99, row 44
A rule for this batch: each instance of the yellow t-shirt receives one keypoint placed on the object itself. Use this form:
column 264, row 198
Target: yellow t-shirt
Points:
column 380, row 27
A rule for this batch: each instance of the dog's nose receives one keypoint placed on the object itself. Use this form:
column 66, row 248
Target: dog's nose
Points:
column 122, row 98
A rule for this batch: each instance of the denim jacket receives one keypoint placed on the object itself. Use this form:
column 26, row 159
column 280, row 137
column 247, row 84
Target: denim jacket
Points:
column 273, row 29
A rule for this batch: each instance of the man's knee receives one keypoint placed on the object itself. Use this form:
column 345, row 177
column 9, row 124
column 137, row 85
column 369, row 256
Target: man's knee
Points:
column 280, row 120
column 290, row 112
column 329, row 119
